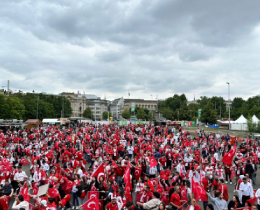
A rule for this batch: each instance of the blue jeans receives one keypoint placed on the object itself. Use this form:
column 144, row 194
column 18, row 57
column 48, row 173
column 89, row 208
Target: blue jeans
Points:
column 205, row 203
column 74, row 198
column 119, row 181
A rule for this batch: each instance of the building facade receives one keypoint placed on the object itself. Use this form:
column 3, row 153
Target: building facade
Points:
column 98, row 106
column 151, row 105
column 78, row 103
column 116, row 108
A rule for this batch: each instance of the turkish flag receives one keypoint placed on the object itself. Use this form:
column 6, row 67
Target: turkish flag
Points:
column 101, row 204
column 154, row 181
column 182, row 174
column 92, row 194
column 198, row 191
column 24, row 161
column 91, row 204
column 228, row 157
column 153, row 162
column 233, row 174
column 53, row 192
column 99, row 172
column 35, row 188
column 193, row 186
column 252, row 200
column 69, row 184
column 184, row 194
column 24, row 191
column 127, row 174
column 138, row 172
column 244, row 208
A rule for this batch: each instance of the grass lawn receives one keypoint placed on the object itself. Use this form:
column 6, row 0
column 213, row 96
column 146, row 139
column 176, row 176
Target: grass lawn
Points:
column 241, row 134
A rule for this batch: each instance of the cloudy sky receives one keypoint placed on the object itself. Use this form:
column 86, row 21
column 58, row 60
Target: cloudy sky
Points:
column 149, row 47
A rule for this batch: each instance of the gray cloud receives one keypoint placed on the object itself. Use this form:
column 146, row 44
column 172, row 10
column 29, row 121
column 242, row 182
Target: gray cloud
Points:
column 148, row 47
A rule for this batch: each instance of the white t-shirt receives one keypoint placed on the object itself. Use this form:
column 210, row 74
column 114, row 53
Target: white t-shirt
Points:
column 20, row 176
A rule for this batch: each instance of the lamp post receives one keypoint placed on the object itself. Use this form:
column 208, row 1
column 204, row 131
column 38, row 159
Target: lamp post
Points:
column 152, row 107
column 228, row 108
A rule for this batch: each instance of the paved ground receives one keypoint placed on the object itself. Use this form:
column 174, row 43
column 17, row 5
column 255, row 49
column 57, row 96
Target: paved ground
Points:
column 230, row 187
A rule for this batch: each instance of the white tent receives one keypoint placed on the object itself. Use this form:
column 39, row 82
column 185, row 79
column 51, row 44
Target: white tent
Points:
column 50, row 121
column 241, row 119
column 255, row 119
column 240, row 124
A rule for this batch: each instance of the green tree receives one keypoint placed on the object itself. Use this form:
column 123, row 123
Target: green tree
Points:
column 88, row 113
column 193, row 110
column 208, row 114
column 185, row 113
column 3, row 107
column 254, row 111
column 219, row 105
column 243, row 110
column 105, row 115
column 151, row 116
column 126, row 114
column 167, row 113
column 140, row 114
column 15, row 108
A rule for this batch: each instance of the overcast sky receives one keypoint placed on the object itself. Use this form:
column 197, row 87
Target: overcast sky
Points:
column 149, row 47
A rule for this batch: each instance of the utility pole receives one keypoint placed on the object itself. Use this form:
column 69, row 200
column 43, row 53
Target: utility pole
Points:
column 152, row 108
column 220, row 108
column 228, row 108
column 37, row 107
column 8, row 88
column 62, row 116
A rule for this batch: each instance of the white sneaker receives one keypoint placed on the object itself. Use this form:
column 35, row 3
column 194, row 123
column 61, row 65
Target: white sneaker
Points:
column 226, row 182
column 230, row 182
column 77, row 207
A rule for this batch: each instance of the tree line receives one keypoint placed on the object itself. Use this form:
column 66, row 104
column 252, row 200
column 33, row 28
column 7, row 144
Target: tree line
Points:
column 212, row 108
column 24, row 106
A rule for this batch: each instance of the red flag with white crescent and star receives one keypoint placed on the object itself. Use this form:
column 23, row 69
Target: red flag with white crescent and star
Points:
column 91, row 204
column 99, row 172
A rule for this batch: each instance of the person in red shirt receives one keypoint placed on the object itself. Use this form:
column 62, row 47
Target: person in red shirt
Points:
column 113, row 204
column 4, row 200
column 148, row 182
column 223, row 189
column 175, row 200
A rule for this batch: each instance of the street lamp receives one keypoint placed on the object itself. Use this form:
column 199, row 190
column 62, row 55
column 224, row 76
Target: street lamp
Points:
column 228, row 108
column 152, row 107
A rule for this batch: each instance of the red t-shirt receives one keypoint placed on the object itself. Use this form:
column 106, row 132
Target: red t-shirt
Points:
column 111, row 206
column 175, row 199
column 4, row 203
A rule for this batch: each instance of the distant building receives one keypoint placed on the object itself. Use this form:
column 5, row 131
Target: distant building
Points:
column 2, row 91
column 151, row 105
column 78, row 103
column 116, row 108
column 98, row 106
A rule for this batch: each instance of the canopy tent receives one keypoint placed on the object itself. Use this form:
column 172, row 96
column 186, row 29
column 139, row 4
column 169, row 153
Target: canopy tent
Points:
column 241, row 119
column 50, row 121
column 33, row 122
column 255, row 119
column 240, row 124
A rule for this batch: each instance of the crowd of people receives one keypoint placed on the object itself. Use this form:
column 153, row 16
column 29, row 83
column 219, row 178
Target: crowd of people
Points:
column 94, row 166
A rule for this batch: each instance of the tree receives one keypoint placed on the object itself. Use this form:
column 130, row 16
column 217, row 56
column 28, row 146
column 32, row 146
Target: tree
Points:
column 15, row 108
column 167, row 113
column 208, row 114
column 140, row 114
column 105, row 115
column 254, row 111
column 88, row 113
column 126, row 114
column 3, row 107
column 151, row 116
